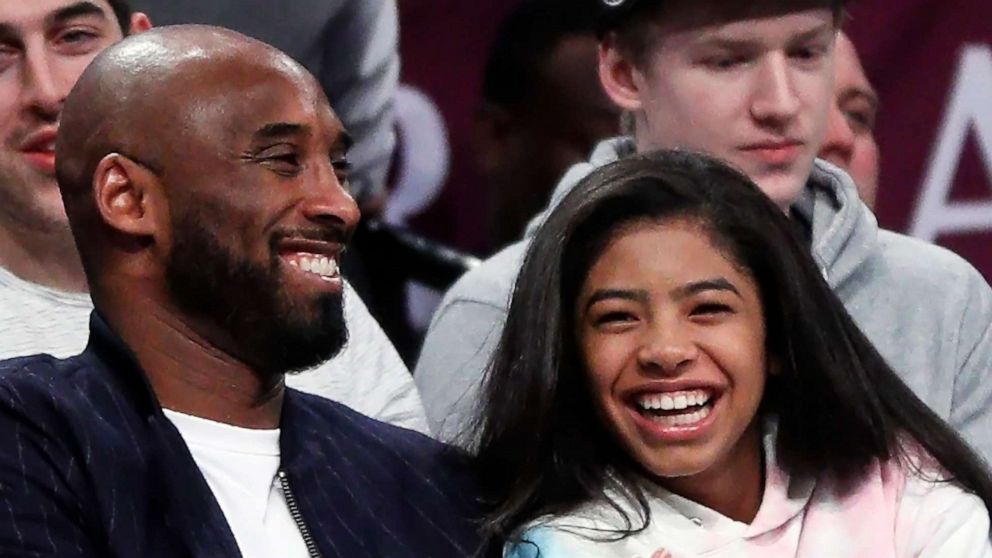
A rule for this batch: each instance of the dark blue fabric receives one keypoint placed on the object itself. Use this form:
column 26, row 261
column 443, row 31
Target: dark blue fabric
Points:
column 89, row 466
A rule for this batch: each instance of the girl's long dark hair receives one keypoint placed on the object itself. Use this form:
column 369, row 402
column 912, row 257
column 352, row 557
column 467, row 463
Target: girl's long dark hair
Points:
column 541, row 449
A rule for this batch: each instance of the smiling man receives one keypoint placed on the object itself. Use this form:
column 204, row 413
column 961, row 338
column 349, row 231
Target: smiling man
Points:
column 44, row 46
column 204, row 176
column 44, row 305
column 751, row 83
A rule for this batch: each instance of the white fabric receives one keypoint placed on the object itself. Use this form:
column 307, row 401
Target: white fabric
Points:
column 240, row 466
column 894, row 512
column 367, row 375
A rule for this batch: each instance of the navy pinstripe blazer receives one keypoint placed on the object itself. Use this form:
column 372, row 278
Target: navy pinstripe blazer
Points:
column 90, row 467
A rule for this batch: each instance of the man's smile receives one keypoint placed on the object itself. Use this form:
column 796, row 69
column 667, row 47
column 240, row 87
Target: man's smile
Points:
column 39, row 149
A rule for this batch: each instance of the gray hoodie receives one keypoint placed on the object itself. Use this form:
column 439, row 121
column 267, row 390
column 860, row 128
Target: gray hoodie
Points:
column 927, row 311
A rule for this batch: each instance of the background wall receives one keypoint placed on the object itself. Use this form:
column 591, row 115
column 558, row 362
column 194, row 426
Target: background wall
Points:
column 931, row 61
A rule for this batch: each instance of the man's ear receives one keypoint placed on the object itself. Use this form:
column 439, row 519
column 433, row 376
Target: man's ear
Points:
column 617, row 74
column 140, row 22
column 124, row 197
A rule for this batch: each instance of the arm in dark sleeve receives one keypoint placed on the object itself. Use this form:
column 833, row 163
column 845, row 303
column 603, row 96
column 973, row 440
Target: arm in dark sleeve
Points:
column 41, row 512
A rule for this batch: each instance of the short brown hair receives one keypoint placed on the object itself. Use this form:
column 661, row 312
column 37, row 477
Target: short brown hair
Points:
column 122, row 11
column 633, row 33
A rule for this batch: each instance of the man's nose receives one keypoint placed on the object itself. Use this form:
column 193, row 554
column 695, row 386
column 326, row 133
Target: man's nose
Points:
column 838, row 146
column 43, row 89
column 328, row 201
column 774, row 100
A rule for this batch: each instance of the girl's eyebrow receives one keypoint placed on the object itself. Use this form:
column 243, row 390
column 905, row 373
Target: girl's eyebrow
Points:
column 714, row 284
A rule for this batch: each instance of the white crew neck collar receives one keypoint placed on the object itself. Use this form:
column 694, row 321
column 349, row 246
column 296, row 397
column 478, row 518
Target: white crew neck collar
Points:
column 225, row 437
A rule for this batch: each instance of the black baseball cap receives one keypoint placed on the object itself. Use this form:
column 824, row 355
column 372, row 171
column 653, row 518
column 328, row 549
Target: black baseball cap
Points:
column 612, row 13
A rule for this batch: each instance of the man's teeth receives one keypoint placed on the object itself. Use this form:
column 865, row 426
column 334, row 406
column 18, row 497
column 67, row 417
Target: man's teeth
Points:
column 674, row 401
column 318, row 265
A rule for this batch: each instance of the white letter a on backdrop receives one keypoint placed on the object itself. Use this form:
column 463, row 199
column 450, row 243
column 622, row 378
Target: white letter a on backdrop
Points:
column 970, row 109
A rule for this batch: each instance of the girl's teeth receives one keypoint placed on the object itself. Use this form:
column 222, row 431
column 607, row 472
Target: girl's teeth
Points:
column 674, row 400
column 685, row 419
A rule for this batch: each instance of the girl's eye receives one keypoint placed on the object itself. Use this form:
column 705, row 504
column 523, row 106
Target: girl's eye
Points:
column 711, row 308
column 614, row 318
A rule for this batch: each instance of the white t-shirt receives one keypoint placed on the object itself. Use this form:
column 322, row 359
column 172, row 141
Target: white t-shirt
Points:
column 240, row 466
column 367, row 375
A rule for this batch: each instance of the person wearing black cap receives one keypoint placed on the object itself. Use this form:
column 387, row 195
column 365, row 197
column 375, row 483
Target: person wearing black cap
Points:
column 750, row 83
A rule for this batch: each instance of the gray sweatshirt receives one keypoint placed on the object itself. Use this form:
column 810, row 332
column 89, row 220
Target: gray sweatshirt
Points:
column 927, row 310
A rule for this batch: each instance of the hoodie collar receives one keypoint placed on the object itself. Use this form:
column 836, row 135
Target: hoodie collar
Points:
column 784, row 498
column 844, row 230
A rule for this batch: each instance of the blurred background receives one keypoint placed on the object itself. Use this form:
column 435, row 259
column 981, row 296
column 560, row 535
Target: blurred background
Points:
column 930, row 62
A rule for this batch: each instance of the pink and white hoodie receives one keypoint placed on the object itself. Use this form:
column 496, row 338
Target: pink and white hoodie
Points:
column 893, row 513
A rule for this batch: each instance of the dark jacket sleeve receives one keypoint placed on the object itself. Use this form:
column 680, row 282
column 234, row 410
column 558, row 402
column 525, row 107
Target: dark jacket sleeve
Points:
column 41, row 505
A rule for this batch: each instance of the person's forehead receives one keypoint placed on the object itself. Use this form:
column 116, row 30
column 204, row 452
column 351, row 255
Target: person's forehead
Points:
column 701, row 256
column 22, row 14
column 850, row 73
column 249, row 99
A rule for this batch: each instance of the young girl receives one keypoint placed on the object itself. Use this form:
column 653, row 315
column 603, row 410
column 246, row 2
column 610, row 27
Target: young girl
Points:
column 675, row 378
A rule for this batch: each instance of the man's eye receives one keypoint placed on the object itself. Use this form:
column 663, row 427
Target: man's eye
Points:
column 8, row 56
column 808, row 53
column 78, row 40
column 77, row 36
column 725, row 62
column 860, row 121
column 342, row 168
column 287, row 159
column 282, row 163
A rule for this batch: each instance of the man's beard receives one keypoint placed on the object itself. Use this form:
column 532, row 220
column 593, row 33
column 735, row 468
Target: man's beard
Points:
column 272, row 333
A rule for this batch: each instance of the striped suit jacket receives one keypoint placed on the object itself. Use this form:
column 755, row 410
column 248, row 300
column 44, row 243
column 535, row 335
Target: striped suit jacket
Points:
column 90, row 467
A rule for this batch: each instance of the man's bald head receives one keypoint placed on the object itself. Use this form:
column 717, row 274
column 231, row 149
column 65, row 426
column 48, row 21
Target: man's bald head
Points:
column 151, row 98
column 207, row 169
column 147, row 89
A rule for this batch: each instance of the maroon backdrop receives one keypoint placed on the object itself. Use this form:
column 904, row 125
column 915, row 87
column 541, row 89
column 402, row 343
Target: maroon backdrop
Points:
column 931, row 61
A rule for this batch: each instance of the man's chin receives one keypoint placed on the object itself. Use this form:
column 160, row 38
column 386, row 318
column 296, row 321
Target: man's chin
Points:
column 299, row 346
column 305, row 359
column 784, row 188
